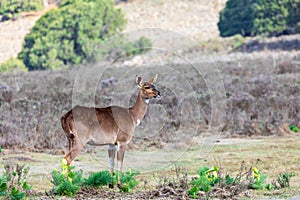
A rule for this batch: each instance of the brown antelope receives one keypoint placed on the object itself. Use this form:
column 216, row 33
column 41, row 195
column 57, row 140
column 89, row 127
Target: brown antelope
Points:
column 112, row 126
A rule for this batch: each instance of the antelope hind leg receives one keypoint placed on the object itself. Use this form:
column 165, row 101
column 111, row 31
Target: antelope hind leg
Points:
column 111, row 153
column 120, row 157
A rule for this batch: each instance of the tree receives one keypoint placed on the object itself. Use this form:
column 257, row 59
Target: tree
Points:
column 69, row 34
column 270, row 17
column 12, row 8
column 294, row 16
column 259, row 17
column 237, row 18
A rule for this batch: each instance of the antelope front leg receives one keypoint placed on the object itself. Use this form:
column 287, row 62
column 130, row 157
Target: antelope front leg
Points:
column 111, row 154
column 74, row 149
column 120, row 157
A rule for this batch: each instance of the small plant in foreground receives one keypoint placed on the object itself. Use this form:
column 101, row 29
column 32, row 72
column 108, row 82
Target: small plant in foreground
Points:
column 283, row 180
column 102, row 178
column 67, row 182
column 215, row 184
column 257, row 181
column 128, row 180
column 98, row 179
column 207, row 178
column 294, row 128
column 13, row 183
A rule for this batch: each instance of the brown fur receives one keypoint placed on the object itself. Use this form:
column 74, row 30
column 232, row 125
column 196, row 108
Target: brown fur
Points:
column 111, row 125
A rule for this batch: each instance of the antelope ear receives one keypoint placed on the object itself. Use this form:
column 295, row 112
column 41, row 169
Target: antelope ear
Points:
column 138, row 81
column 153, row 79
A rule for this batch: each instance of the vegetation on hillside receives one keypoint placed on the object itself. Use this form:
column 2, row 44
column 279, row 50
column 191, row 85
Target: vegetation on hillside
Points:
column 259, row 17
column 12, row 65
column 11, row 9
column 71, row 34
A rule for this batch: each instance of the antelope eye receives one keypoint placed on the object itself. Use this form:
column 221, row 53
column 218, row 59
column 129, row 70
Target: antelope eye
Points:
column 147, row 87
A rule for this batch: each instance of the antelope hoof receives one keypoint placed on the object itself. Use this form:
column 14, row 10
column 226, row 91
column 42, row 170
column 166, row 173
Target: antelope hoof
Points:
column 111, row 185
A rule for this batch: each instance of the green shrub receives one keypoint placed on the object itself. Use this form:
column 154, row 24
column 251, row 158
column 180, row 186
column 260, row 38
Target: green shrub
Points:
column 283, row 180
column 72, row 33
column 207, row 178
column 252, row 178
column 98, row 179
column 258, row 17
column 66, row 182
column 294, row 128
column 257, row 182
column 11, row 9
column 128, row 180
column 293, row 19
column 236, row 18
column 69, row 34
column 13, row 64
column 13, row 183
column 67, row 188
column 102, row 178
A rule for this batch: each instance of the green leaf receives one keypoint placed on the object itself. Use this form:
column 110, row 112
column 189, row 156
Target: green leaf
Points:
column 193, row 192
column 229, row 180
column 25, row 186
column 3, row 186
column 16, row 194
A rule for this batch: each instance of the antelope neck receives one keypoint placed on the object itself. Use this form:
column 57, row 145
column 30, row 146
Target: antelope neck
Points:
column 138, row 110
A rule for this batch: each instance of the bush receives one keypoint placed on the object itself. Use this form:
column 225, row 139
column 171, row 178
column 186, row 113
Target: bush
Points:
column 12, row 9
column 258, row 17
column 98, row 179
column 293, row 20
column 207, row 178
column 13, row 183
column 66, row 182
column 270, row 17
column 128, row 180
column 211, row 180
column 13, row 64
column 69, row 34
column 237, row 18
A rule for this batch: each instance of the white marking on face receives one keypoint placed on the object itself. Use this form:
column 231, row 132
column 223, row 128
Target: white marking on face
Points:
column 147, row 101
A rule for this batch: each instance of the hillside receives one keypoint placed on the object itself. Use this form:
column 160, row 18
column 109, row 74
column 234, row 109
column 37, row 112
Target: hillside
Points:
column 196, row 19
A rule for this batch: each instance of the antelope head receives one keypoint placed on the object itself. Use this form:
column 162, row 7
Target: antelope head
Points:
column 148, row 89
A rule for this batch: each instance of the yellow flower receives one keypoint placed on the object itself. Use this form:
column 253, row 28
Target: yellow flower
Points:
column 64, row 162
column 256, row 173
column 255, row 170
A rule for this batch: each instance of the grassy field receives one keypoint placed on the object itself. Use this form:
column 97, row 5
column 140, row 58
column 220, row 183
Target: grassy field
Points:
column 275, row 154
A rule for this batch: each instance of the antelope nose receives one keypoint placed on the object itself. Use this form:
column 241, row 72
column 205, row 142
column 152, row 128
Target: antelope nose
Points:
column 158, row 94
